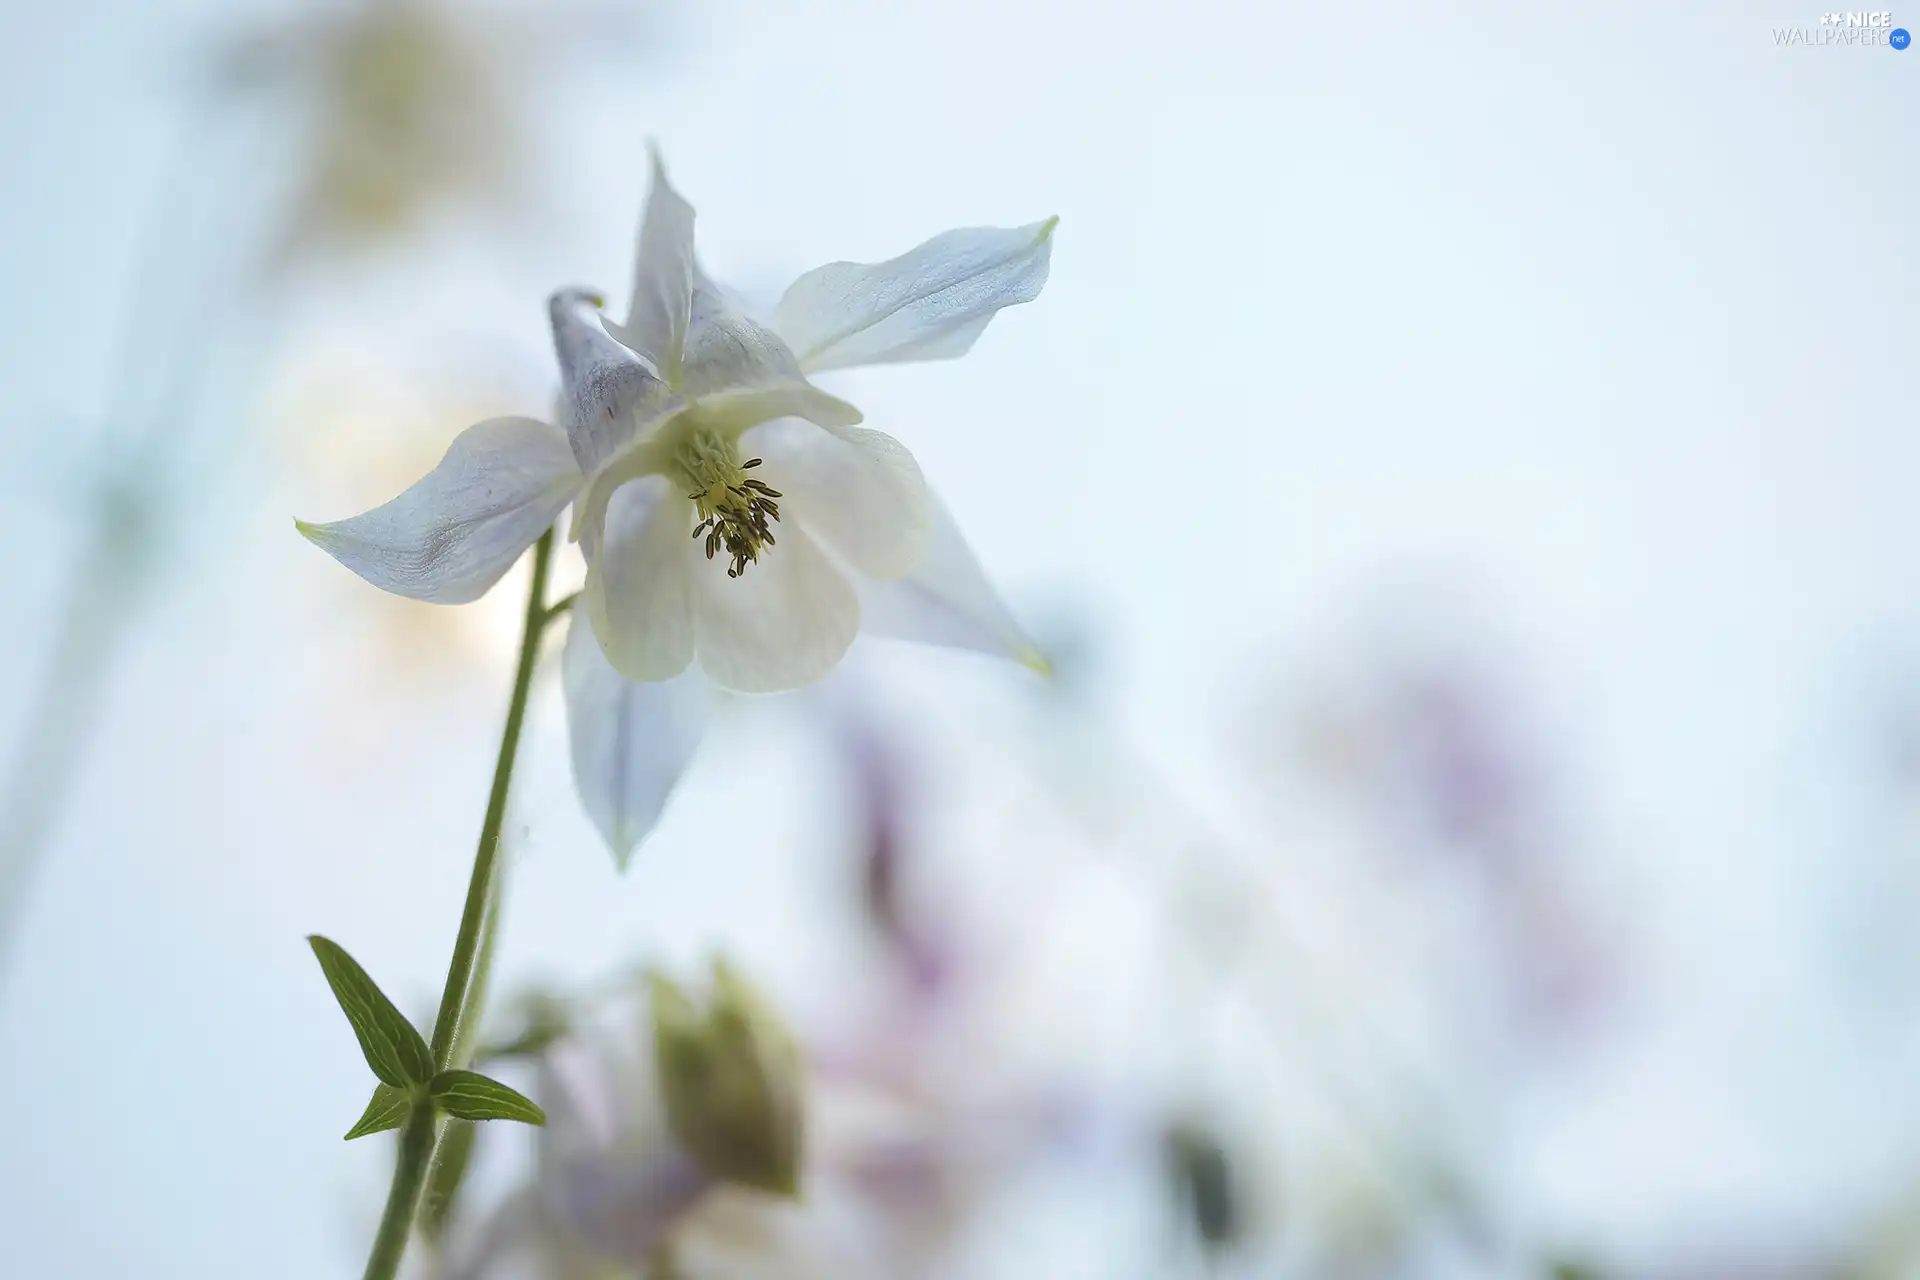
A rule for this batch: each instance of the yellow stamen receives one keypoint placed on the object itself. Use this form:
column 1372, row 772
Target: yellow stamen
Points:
column 736, row 511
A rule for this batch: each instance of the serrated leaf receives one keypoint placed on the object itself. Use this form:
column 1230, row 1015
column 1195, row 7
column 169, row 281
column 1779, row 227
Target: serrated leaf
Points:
column 393, row 1049
column 469, row 1095
column 388, row 1110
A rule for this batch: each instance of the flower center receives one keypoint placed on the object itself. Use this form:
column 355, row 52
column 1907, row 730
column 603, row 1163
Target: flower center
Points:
column 734, row 509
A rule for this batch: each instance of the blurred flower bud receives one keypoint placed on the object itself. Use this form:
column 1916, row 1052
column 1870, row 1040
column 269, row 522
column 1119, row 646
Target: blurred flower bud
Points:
column 730, row 1077
column 1203, row 1181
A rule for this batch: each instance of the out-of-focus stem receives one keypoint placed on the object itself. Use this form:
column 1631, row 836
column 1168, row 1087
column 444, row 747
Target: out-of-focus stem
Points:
column 466, row 981
column 140, row 454
column 1233, row 945
column 52, row 740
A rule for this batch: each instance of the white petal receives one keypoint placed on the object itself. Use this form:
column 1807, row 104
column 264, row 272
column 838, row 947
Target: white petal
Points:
column 783, row 623
column 728, row 349
column 631, row 741
column 656, row 324
column 607, row 394
column 858, row 490
column 929, row 303
column 947, row 601
column 638, row 592
column 452, row 535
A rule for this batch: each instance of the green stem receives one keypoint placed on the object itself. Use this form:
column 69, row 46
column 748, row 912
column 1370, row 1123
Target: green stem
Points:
column 418, row 1140
column 403, row 1201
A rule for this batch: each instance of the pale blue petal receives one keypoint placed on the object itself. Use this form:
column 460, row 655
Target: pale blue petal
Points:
column 656, row 324
column 727, row 349
column 947, row 601
column 607, row 394
column 859, row 490
column 929, row 303
column 454, row 534
column 631, row 741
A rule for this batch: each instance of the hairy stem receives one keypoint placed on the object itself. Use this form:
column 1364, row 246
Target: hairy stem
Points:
column 417, row 1141
column 465, row 984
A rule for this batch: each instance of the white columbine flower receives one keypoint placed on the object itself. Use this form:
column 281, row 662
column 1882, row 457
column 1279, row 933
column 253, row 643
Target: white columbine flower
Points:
column 729, row 510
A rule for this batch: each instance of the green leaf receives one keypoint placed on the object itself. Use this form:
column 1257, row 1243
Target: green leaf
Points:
column 388, row 1110
column 393, row 1048
column 472, row 1096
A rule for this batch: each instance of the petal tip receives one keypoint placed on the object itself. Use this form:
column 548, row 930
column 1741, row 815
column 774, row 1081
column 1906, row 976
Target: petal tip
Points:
column 574, row 295
column 1035, row 661
column 832, row 412
column 314, row 533
column 1046, row 229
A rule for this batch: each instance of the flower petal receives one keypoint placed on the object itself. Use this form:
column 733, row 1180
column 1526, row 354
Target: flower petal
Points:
column 458, row 529
column 746, row 1235
column 518, row 1240
column 638, row 592
column 783, row 623
column 656, row 324
column 607, row 394
column 929, row 303
column 947, row 601
column 631, row 741
column 609, row 1171
column 857, row 489
column 727, row 348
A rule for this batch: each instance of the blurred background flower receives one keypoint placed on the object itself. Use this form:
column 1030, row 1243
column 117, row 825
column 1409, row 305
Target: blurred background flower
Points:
column 410, row 105
column 405, row 109
column 389, row 111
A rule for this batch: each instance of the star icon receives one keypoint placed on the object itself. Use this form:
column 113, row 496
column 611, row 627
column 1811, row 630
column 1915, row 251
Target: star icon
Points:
column 1829, row 19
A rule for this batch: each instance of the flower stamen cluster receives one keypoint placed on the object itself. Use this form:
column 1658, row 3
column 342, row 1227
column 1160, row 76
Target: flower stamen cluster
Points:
column 735, row 510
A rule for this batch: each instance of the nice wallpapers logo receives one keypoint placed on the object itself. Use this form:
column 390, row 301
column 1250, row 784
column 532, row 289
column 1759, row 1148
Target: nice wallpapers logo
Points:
column 1857, row 29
